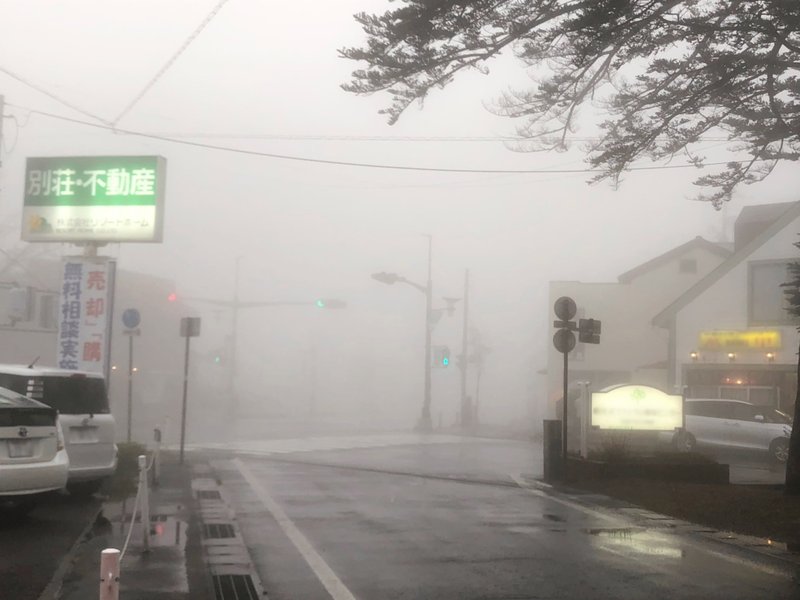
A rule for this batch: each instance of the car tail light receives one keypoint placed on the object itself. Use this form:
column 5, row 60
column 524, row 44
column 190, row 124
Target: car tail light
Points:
column 60, row 437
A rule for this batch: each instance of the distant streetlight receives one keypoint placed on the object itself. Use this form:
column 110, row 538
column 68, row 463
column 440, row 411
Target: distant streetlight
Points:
column 425, row 423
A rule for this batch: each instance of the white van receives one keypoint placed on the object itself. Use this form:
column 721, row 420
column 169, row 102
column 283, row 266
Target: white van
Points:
column 82, row 403
column 735, row 424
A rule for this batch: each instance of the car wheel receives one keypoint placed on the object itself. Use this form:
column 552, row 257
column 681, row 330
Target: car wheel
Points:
column 779, row 450
column 685, row 442
column 84, row 489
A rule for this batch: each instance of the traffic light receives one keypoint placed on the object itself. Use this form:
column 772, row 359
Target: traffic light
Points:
column 172, row 297
column 330, row 303
column 441, row 356
column 589, row 331
column 219, row 357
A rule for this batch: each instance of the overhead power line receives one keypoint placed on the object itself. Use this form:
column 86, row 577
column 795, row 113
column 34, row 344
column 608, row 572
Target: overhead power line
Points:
column 343, row 163
column 53, row 96
column 160, row 73
column 382, row 138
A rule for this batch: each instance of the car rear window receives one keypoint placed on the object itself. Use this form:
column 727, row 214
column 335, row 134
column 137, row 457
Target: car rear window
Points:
column 29, row 417
column 68, row 394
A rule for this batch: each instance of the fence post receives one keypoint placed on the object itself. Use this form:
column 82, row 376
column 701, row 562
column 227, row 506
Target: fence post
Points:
column 145, row 496
column 109, row 574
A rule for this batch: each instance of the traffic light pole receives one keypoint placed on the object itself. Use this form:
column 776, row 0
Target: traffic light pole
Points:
column 425, row 423
column 466, row 409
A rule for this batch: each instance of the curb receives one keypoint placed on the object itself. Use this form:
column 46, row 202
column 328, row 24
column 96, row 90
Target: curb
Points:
column 763, row 547
column 53, row 588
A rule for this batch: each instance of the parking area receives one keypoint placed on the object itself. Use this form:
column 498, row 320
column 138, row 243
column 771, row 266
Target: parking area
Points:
column 32, row 548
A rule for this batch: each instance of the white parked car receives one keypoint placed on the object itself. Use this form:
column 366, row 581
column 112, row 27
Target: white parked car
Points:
column 33, row 459
column 735, row 424
column 89, row 428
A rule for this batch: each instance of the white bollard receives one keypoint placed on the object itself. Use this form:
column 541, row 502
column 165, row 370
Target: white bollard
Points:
column 145, row 499
column 109, row 574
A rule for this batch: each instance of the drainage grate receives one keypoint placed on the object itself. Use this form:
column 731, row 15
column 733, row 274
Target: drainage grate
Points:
column 218, row 530
column 208, row 495
column 234, row 587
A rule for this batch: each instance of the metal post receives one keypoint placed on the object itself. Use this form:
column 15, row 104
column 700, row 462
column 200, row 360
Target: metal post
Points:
column 185, row 386
column 145, row 496
column 2, row 105
column 425, row 418
column 564, row 411
column 130, row 384
column 235, row 327
column 466, row 410
column 156, row 456
column 586, row 415
column 109, row 574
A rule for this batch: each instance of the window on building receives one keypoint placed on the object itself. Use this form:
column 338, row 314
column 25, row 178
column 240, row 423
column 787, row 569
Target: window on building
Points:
column 687, row 265
column 766, row 300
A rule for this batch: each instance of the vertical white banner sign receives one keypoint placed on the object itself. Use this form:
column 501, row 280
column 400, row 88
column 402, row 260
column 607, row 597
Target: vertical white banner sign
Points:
column 86, row 307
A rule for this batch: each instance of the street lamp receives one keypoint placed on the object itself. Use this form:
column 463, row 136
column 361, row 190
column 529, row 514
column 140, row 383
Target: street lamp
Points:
column 425, row 423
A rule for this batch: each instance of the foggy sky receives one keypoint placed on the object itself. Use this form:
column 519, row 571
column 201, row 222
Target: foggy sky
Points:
column 305, row 230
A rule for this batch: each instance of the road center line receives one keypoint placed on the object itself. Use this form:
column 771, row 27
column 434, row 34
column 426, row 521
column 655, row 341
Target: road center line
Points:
column 324, row 573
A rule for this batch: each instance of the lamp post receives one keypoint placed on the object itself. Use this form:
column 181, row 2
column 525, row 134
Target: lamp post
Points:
column 425, row 423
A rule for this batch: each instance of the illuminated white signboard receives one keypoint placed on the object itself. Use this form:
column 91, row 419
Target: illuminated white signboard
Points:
column 636, row 407
column 94, row 199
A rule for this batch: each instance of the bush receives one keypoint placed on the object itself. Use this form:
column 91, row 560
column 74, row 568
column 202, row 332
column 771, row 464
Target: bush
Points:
column 614, row 448
column 125, row 479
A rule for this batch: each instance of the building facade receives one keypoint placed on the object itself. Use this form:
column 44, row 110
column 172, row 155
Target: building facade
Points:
column 731, row 335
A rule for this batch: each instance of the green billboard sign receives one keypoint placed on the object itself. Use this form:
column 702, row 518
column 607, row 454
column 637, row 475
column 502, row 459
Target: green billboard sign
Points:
column 94, row 199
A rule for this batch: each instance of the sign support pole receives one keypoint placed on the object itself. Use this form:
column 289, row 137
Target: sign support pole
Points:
column 130, row 384
column 185, row 386
column 564, row 444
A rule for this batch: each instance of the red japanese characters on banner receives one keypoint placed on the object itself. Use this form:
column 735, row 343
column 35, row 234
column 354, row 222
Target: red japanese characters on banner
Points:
column 85, row 314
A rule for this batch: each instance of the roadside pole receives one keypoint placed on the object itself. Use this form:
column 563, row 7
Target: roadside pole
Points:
column 467, row 411
column 190, row 327
column 131, row 319
column 564, row 341
column 586, row 415
column 130, row 382
column 2, row 106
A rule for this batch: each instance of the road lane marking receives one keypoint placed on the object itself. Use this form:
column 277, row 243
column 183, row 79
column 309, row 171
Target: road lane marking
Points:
column 324, row 573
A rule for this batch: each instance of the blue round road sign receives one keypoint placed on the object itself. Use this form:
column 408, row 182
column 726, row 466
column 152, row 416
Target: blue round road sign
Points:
column 131, row 318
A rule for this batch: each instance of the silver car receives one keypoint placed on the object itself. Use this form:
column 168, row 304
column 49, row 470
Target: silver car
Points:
column 735, row 424
column 33, row 459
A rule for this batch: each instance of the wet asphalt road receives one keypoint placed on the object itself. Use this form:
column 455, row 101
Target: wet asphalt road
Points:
column 32, row 547
column 347, row 523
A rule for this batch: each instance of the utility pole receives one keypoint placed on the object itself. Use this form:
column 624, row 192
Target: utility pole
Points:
column 235, row 329
column 2, row 106
column 425, row 423
column 466, row 409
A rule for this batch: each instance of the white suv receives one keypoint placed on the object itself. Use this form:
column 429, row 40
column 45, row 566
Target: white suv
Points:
column 81, row 401
column 735, row 424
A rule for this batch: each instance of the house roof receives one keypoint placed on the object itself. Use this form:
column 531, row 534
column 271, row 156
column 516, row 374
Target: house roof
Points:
column 755, row 219
column 698, row 242
column 663, row 318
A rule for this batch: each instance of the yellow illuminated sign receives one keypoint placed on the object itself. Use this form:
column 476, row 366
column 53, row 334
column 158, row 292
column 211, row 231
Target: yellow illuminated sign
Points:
column 637, row 408
column 767, row 339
